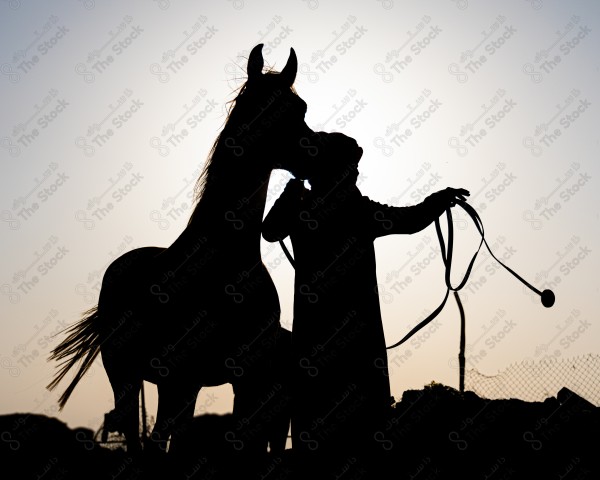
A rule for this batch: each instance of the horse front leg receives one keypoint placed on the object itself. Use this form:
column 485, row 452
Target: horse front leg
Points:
column 175, row 412
column 253, row 399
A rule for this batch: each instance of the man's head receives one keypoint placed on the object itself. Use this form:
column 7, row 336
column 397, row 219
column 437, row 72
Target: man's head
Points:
column 339, row 156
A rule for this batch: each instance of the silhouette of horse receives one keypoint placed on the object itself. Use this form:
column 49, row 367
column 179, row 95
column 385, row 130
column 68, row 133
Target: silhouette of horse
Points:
column 204, row 311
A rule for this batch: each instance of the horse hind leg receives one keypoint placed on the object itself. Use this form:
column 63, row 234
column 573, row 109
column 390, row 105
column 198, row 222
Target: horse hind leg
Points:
column 126, row 383
column 175, row 412
column 125, row 417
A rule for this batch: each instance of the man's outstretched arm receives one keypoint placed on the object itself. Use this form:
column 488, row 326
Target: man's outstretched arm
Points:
column 388, row 220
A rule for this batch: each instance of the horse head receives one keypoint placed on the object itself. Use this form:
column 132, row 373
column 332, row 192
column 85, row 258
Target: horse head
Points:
column 267, row 122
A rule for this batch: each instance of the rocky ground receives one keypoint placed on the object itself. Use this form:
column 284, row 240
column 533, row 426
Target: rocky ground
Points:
column 434, row 433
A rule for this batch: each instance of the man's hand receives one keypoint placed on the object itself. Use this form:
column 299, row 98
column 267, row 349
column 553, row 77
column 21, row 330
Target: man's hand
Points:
column 449, row 196
column 455, row 194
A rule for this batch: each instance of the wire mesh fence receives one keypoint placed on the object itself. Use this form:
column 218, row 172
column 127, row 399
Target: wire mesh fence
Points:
column 535, row 381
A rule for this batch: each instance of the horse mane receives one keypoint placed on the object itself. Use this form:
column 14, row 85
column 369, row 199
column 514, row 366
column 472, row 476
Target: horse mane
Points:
column 203, row 178
column 215, row 153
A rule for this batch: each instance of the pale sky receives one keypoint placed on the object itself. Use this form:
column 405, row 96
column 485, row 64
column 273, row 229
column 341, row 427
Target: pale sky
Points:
column 499, row 98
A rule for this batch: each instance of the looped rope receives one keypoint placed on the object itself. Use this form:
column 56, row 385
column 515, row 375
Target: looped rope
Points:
column 447, row 259
column 547, row 295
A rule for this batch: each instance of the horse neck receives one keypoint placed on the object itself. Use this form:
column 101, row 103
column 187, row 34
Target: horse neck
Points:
column 231, row 209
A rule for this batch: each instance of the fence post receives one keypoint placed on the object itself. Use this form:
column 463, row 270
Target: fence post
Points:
column 461, row 352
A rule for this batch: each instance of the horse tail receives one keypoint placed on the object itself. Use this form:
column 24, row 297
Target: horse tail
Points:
column 81, row 345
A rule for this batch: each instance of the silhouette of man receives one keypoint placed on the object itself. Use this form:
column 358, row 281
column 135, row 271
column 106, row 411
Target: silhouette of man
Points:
column 341, row 391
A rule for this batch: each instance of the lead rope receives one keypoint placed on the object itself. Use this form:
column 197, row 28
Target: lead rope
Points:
column 287, row 253
column 447, row 260
column 547, row 295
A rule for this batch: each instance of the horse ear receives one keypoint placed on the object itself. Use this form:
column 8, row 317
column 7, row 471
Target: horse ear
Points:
column 288, row 74
column 255, row 63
